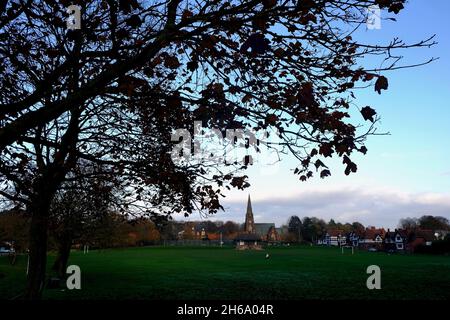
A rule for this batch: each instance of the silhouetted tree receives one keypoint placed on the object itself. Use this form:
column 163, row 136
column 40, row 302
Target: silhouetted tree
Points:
column 434, row 223
column 82, row 207
column 295, row 227
column 229, row 228
column 14, row 226
column 358, row 227
column 408, row 223
column 313, row 228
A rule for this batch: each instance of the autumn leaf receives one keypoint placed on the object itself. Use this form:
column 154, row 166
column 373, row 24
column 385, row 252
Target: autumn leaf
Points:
column 326, row 150
column 396, row 7
column 257, row 42
column 134, row 21
column 186, row 15
column 192, row 65
column 271, row 119
column 247, row 98
column 383, row 3
column 260, row 23
column 171, row 62
column 306, row 162
column 269, row 3
column 306, row 94
column 325, row 173
column 240, row 182
column 279, row 52
column 319, row 164
column 128, row 5
column 52, row 53
column 305, row 5
column 368, row 76
column 308, row 18
column 381, row 84
column 351, row 166
column 368, row 113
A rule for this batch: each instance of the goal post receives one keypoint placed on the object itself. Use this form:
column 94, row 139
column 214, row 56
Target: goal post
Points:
column 347, row 247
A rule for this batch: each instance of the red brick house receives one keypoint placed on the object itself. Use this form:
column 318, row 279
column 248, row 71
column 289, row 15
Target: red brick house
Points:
column 420, row 237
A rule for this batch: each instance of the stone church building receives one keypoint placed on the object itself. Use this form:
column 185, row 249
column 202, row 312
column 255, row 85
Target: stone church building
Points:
column 254, row 234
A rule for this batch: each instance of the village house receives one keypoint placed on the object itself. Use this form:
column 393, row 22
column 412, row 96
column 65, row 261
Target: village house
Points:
column 200, row 231
column 440, row 234
column 420, row 237
column 396, row 240
column 353, row 239
column 334, row 237
column 372, row 238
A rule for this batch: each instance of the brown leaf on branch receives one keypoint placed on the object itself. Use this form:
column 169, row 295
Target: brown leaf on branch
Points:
column 368, row 113
column 257, row 43
column 325, row 173
column 381, row 84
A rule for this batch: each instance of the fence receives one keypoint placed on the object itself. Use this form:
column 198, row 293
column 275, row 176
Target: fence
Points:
column 204, row 243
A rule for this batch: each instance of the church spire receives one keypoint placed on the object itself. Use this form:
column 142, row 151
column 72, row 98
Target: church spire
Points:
column 249, row 222
column 249, row 206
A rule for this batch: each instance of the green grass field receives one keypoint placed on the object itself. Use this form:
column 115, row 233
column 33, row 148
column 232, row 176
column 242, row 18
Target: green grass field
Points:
column 224, row 273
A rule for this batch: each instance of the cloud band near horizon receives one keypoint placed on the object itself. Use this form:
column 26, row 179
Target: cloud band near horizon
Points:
column 381, row 208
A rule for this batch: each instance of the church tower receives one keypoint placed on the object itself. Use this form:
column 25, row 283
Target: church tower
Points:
column 249, row 222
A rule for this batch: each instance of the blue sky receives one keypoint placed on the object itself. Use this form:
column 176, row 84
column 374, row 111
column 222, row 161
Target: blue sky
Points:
column 404, row 174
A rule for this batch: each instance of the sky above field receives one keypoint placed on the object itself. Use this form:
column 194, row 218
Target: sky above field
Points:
column 405, row 174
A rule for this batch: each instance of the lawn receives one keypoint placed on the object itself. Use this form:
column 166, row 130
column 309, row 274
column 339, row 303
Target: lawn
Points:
column 224, row 273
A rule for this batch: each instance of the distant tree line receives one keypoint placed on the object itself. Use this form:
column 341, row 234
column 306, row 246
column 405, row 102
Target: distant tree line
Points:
column 425, row 222
column 310, row 229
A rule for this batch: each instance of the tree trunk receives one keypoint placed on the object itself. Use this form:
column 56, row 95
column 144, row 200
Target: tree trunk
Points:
column 60, row 265
column 38, row 248
column 39, row 208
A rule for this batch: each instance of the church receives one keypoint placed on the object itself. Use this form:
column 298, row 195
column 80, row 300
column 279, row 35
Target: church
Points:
column 255, row 234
